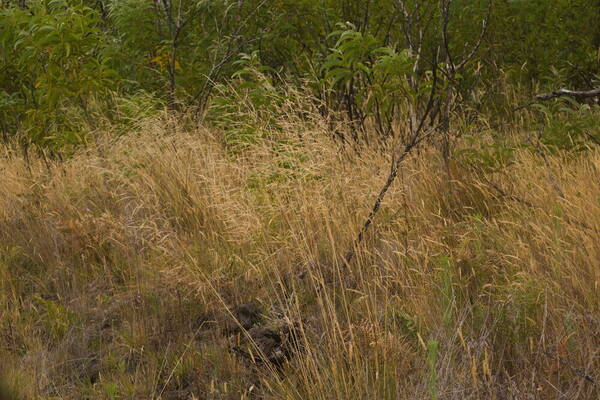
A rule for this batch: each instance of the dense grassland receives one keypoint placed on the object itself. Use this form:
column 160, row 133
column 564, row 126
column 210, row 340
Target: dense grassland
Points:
column 162, row 264
column 299, row 199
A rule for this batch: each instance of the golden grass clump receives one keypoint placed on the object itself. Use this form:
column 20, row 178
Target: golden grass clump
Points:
column 121, row 269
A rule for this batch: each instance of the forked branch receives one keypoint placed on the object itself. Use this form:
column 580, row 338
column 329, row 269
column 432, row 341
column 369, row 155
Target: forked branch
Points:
column 418, row 131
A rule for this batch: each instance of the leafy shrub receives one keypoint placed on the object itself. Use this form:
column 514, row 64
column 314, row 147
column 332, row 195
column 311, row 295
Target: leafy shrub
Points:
column 131, row 109
column 248, row 108
column 486, row 157
column 53, row 69
column 367, row 78
column 568, row 125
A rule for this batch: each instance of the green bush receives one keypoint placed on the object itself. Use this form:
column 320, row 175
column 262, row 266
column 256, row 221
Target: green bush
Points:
column 568, row 125
column 53, row 70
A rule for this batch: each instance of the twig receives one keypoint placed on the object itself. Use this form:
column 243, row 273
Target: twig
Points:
column 517, row 199
column 579, row 371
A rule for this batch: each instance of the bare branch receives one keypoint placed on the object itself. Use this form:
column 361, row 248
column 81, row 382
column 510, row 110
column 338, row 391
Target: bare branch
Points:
column 578, row 94
column 233, row 47
column 475, row 48
column 445, row 39
column 445, row 10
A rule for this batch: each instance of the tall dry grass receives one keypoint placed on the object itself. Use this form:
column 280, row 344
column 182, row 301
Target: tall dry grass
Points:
column 120, row 268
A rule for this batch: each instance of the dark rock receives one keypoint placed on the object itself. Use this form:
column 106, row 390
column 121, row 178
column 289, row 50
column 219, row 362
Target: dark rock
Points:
column 274, row 342
column 243, row 317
